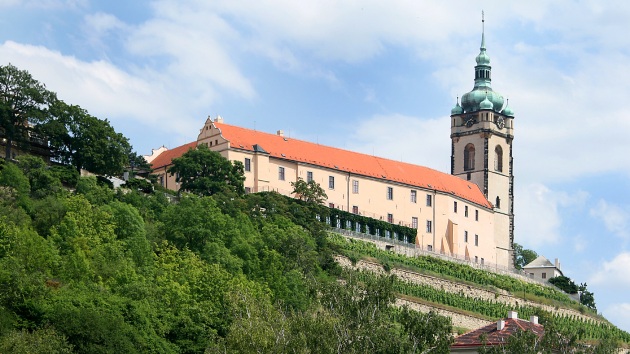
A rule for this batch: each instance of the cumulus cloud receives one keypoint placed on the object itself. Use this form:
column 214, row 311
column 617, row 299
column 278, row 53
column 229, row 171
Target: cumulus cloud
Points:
column 539, row 219
column 614, row 217
column 614, row 274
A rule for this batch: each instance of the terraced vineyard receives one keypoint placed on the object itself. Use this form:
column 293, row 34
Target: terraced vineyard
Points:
column 475, row 292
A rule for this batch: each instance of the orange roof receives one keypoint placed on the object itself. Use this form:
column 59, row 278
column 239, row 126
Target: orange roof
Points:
column 164, row 159
column 495, row 336
column 352, row 162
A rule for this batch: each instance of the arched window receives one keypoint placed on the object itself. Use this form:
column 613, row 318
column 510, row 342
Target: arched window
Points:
column 498, row 203
column 498, row 158
column 469, row 157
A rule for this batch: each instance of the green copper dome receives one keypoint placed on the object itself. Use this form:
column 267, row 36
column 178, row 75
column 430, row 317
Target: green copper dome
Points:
column 482, row 90
column 486, row 104
column 457, row 109
column 508, row 111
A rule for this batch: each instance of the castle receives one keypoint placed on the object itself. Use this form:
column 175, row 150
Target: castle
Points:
column 468, row 213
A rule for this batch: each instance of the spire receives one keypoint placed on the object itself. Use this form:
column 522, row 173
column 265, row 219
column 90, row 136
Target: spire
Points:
column 483, row 33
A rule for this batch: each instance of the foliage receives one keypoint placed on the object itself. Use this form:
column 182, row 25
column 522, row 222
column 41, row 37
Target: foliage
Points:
column 522, row 257
column 202, row 171
column 587, row 298
column 139, row 184
column 309, row 192
column 24, row 102
column 84, row 141
column 349, row 221
column 565, row 284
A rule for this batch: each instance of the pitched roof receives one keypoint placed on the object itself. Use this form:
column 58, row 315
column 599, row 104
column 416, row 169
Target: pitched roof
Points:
column 541, row 261
column 348, row 161
column 165, row 158
column 495, row 336
column 337, row 159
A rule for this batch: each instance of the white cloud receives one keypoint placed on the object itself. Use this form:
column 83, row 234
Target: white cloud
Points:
column 538, row 213
column 614, row 274
column 614, row 217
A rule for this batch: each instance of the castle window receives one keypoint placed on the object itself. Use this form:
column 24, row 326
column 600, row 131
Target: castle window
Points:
column 469, row 157
column 498, row 203
column 390, row 193
column 414, row 196
column 355, row 209
column 498, row 159
column 355, row 186
column 331, row 182
column 454, row 207
column 429, row 200
column 544, row 275
column 390, row 218
column 281, row 173
column 466, row 210
column 248, row 165
column 429, row 226
column 309, row 176
column 476, row 240
column 468, row 176
column 414, row 222
column 466, row 236
column 476, row 215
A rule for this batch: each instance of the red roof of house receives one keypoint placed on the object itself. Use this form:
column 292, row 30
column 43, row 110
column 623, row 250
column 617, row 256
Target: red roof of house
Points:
column 494, row 336
column 338, row 159
column 164, row 159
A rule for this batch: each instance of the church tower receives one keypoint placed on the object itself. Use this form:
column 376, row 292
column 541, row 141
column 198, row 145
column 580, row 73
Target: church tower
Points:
column 482, row 131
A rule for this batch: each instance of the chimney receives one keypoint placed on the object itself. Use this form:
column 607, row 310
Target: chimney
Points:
column 218, row 119
column 513, row 315
column 280, row 133
column 500, row 325
column 533, row 319
column 557, row 264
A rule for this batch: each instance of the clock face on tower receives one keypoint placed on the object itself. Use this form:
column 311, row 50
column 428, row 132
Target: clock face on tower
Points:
column 500, row 122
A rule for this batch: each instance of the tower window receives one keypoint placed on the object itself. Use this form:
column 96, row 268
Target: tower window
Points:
column 469, row 157
column 468, row 176
column 498, row 159
column 498, row 203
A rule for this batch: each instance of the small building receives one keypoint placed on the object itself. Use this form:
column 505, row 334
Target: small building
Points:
column 541, row 268
column 496, row 333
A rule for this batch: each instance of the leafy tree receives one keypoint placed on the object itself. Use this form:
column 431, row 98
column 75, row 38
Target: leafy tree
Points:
column 310, row 192
column 587, row 298
column 522, row 257
column 41, row 341
column 24, row 102
column 565, row 284
column 205, row 172
column 86, row 142
column 41, row 180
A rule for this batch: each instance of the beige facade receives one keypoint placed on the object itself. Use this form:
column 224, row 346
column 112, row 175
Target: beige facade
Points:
column 446, row 223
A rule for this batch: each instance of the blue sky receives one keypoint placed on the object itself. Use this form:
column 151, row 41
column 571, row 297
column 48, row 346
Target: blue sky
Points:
column 372, row 76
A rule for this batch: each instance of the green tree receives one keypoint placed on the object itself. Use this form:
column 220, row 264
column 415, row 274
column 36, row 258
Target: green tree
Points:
column 310, row 192
column 205, row 172
column 522, row 257
column 565, row 284
column 587, row 298
column 86, row 142
column 24, row 102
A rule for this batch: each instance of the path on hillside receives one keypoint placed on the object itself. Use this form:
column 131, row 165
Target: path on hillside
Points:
column 457, row 288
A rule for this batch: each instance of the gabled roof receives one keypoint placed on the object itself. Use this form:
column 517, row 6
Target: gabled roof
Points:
column 353, row 162
column 165, row 158
column 539, row 262
column 495, row 336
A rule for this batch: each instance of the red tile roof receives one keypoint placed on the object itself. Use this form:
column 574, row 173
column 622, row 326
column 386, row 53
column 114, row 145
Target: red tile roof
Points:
column 338, row 159
column 494, row 336
column 353, row 162
column 164, row 159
